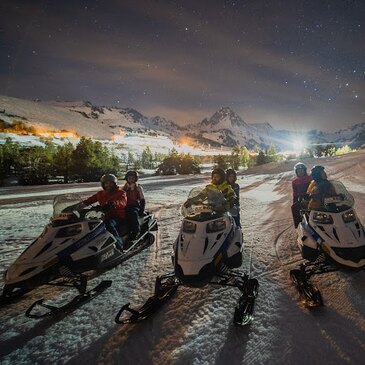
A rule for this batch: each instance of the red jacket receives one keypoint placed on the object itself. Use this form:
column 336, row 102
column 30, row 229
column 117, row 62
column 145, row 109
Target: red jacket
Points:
column 300, row 186
column 117, row 196
column 135, row 195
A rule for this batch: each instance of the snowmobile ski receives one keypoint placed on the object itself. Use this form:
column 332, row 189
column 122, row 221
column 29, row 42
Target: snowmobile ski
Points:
column 243, row 313
column 164, row 290
column 69, row 307
column 310, row 294
column 6, row 299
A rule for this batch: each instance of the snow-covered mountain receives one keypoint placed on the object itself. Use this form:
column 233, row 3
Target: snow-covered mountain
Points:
column 227, row 128
column 84, row 118
column 354, row 136
column 224, row 127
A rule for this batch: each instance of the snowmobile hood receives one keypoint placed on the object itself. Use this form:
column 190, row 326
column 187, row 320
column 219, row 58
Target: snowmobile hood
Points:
column 208, row 242
column 339, row 234
column 51, row 247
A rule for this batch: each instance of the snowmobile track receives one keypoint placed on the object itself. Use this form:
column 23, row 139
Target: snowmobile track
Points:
column 277, row 240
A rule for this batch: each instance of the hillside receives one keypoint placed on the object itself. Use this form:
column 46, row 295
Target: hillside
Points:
column 223, row 128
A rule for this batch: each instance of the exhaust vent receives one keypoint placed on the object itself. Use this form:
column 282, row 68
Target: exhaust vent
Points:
column 335, row 234
column 44, row 249
column 27, row 271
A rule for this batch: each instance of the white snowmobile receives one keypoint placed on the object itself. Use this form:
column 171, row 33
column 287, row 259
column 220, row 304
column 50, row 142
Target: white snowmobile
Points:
column 330, row 238
column 75, row 245
column 208, row 247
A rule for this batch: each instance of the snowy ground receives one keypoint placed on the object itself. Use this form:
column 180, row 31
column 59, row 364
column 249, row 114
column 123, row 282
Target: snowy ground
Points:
column 195, row 327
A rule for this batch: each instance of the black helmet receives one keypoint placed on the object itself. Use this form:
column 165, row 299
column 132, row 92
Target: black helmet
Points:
column 131, row 173
column 108, row 177
column 316, row 172
column 230, row 172
column 221, row 173
column 300, row 165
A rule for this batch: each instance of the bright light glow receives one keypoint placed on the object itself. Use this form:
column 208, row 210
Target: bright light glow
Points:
column 56, row 134
column 299, row 146
column 119, row 138
column 185, row 148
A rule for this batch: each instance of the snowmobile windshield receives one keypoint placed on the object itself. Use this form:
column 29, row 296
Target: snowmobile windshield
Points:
column 61, row 202
column 204, row 200
column 339, row 199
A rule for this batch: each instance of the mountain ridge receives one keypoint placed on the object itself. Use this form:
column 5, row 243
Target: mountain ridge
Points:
column 224, row 127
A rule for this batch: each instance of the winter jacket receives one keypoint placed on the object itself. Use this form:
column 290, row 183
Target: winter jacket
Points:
column 236, row 189
column 318, row 191
column 227, row 192
column 300, row 186
column 117, row 197
column 135, row 195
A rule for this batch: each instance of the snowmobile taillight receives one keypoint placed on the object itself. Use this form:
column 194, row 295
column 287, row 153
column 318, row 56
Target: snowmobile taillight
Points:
column 189, row 227
column 322, row 218
column 349, row 216
column 216, row 226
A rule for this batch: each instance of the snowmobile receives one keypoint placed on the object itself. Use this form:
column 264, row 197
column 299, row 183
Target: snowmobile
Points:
column 329, row 238
column 73, row 247
column 209, row 246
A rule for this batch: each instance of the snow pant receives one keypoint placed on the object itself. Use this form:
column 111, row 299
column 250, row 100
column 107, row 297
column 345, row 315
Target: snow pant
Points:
column 295, row 210
column 132, row 213
column 112, row 225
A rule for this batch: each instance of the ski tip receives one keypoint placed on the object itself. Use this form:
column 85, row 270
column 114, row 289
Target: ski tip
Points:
column 117, row 319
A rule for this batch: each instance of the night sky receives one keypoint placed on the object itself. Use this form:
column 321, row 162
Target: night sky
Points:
column 294, row 64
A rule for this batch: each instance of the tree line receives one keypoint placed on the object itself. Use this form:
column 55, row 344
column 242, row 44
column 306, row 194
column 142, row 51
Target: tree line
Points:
column 86, row 161
column 89, row 159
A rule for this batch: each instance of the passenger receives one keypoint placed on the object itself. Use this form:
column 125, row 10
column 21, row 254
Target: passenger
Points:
column 135, row 203
column 231, row 178
column 319, row 188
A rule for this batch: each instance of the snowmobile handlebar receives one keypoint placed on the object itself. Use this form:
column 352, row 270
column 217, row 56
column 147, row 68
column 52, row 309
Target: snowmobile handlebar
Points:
column 73, row 214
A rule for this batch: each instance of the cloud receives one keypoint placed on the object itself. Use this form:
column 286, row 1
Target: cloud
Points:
column 185, row 59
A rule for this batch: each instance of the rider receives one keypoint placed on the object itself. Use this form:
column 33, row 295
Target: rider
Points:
column 300, row 185
column 231, row 178
column 135, row 202
column 113, row 200
column 218, row 183
column 319, row 188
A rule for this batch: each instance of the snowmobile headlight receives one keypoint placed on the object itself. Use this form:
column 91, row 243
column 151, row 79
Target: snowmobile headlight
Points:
column 349, row 216
column 216, row 226
column 189, row 227
column 322, row 218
